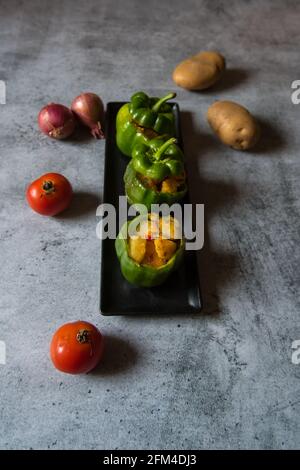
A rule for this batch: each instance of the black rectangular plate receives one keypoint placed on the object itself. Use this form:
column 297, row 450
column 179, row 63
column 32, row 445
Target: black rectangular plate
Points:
column 181, row 292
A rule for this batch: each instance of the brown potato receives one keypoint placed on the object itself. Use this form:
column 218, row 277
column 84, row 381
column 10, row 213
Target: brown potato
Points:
column 233, row 124
column 199, row 71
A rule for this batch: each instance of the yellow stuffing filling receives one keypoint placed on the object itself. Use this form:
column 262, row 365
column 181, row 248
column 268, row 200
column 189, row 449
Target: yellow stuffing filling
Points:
column 172, row 184
column 150, row 247
column 137, row 248
column 151, row 258
column 165, row 249
column 169, row 185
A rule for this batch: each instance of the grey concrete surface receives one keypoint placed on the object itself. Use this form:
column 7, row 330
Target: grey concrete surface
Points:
column 222, row 379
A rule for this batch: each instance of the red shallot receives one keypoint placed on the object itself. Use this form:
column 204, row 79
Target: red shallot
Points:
column 56, row 121
column 89, row 109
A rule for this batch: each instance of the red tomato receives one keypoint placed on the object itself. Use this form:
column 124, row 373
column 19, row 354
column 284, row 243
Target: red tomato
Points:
column 76, row 348
column 50, row 194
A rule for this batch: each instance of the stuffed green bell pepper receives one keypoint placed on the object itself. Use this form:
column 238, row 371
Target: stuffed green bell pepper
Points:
column 142, row 119
column 149, row 249
column 155, row 174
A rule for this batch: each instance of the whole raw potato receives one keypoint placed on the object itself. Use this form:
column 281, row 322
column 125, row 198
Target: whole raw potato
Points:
column 233, row 124
column 199, row 71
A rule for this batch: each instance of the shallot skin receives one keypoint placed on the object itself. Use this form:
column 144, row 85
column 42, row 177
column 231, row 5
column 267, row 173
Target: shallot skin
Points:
column 89, row 109
column 57, row 121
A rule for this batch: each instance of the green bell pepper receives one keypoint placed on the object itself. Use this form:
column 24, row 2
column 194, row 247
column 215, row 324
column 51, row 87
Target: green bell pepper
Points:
column 142, row 119
column 157, row 159
column 138, row 192
column 139, row 274
column 154, row 160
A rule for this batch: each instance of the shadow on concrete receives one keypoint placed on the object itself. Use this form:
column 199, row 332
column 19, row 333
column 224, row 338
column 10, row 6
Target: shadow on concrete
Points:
column 119, row 355
column 81, row 134
column 83, row 203
column 271, row 139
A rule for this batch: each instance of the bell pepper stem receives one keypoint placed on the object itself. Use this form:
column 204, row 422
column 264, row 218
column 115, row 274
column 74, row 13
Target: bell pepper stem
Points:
column 158, row 154
column 162, row 100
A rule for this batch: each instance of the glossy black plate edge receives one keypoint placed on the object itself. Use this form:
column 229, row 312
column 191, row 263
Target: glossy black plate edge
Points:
column 110, row 140
column 187, row 200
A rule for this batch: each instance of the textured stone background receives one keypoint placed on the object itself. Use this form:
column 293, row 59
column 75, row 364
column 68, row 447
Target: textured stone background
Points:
column 223, row 379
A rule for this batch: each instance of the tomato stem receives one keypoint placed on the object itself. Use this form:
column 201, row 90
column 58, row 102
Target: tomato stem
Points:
column 83, row 336
column 48, row 186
